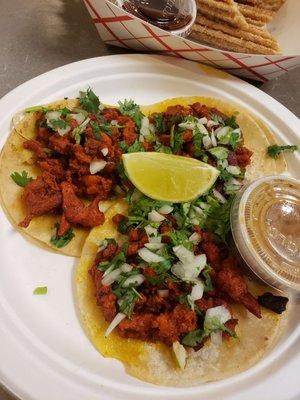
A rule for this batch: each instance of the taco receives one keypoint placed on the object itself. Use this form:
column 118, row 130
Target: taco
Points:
column 157, row 286
column 62, row 159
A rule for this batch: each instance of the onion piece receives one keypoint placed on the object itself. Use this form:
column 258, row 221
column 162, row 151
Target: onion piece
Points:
column 79, row 118
column 166, row 209
column 184, row 255
column 126, row 267
column 150, row 230
column 104, row 151
column 154, row 246
column 233, row 169
column 220, row 313
column 114, row 323
column 219, row 196
column 96, row 166
column 149, row 256
column 111, row 277
column 134, row 280
column 163, row 292
column 216, row 338
column 212, row 123
column 213, row 139
column 206, row 142
column 180, row 354
column 197, row 291
column 155, row 216
column 63, row 131
column 202, row 121
column 195, row 237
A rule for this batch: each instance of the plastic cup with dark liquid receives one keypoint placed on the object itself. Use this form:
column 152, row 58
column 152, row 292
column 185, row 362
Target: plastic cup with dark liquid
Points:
column 175, row 16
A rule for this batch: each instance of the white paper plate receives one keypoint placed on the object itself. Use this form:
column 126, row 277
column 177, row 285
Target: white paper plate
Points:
column 44, row 353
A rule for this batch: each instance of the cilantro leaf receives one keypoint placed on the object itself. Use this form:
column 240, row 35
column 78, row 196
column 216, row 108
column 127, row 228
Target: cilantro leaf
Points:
column 180, row 237
column 194, row 338
column 89, row 101
column 160, row 148
column 159, row 122
column 61, row 241
column 198, row 142
column 96, row 129
column 40, row 290
column 134, row 148
column 56, row 124
column 177, row 141
column 127, row 300
column 21, row 179
column 275, row 150
column 208, row 286
column 132, row 110
column 231, row 121
column 218, row 218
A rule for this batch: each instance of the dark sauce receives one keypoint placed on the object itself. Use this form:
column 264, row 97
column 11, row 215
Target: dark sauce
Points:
column 163, row 14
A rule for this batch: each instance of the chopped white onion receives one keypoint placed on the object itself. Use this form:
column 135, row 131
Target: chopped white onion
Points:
column 202, row 120
column 163, row 292
column 202, row 129
column 197, row 291
column 220, row 312
column 64, row 131
column 180, row 354
column 79, row 118
column 222, row 131
column 134, row 280
column 126, row 267
column 108, row 271
column 150, row 230
column 203, row 205
column 187, row 125
column 149, row 256
column 216, row 338
column 144, row 131
column 104, row 206
column 96, row 166
column 154, row 246
column 219, row 196
column 184, row 255
column 198, row 210
column 114, row 323
column 104, row 151
column 114, row 122
column 195, row 237
column 52, row 115
column 111, row 277
column 212, row 123
column 233, row 169
column 189, row 271
column 166, row 209
column 155, row 216
column 206, row 142
column 213, row 139
column 234, row 181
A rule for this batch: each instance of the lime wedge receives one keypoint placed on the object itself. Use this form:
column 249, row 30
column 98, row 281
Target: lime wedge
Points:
column 168, row 177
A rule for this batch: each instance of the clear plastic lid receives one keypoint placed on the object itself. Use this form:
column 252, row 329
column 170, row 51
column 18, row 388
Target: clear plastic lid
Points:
column 265, row 223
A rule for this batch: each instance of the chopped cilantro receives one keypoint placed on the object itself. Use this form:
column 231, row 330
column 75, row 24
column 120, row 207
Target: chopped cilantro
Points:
column 96, row 129
column 177, row 142
column 40, row 290
column 159, row 123
column 127, row 299
column 132, row 110
column 89, row 101
column 219, row 152
column 37, row 109
column 207, row 279
column 21, row 179
column 194, row 338
column 275, row 150
column 56, row 124
column 218, row 218
column 198, row 142
column 134, row 148
column 218, row 119
column 180, row 237
column 235, row 139
column 64, row 111
column 231, row 121
column 160, row 148
column 61, row 241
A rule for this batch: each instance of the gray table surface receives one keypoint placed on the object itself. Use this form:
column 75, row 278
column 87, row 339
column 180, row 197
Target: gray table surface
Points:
column 39, row 35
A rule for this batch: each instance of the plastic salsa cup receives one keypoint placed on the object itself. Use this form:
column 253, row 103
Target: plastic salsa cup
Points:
column 265, row 224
